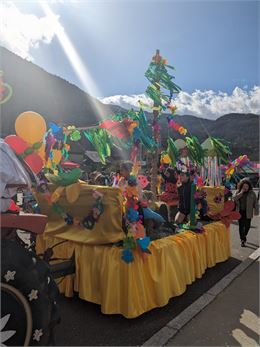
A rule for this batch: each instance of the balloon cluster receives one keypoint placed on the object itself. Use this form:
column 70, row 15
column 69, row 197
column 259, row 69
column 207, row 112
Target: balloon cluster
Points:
column 30, row 128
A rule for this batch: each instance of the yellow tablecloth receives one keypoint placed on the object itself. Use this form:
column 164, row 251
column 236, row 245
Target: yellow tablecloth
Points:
column 132, row 289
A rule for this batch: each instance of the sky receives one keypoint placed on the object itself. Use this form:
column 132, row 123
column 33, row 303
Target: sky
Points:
column 105, row 47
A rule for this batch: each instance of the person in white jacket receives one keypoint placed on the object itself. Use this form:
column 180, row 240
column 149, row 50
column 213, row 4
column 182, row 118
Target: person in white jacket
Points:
column 13, row 175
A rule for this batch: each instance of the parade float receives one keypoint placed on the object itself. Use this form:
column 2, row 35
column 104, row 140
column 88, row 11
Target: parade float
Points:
column 121, row 268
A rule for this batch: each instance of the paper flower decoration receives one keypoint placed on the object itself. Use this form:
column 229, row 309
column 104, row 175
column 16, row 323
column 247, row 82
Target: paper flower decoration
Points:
column 127, row 256
column 143, row 181
column 129, row 242
column 75, row 135
column 66, row 178
column 181, row 130
column 131, row 191
column 137, row 230
column 144, row 243
column 132, row 215
column 227, row 215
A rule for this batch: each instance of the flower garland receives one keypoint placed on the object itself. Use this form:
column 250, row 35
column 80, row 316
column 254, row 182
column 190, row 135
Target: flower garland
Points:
column 232, row 167
column 175, row 126
column 133, row 219
column 88, row 222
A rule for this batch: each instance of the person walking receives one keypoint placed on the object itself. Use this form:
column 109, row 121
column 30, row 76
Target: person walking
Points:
column 246, row 203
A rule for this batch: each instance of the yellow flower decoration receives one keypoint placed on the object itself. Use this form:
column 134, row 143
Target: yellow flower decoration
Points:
column 72, row 193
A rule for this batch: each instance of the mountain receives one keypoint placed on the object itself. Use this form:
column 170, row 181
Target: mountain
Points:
column 54, row 98
column 60, row 101
column 241, row 131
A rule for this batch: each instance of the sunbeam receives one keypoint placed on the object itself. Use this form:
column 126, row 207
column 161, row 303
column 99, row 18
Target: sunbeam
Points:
column 77, row 64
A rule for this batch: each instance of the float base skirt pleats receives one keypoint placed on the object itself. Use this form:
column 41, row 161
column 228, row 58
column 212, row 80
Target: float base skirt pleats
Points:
column 131, row 289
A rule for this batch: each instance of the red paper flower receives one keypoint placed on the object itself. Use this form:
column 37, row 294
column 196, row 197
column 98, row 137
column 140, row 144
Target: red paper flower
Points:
column 227, row 215
column 115, row 128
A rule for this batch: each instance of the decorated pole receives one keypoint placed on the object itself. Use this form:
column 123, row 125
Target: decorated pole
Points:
column 160, row 91
column 156, row 132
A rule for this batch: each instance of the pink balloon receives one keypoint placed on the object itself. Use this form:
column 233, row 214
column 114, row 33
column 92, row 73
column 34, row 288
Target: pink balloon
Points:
column 35, row 162
column 17, row 144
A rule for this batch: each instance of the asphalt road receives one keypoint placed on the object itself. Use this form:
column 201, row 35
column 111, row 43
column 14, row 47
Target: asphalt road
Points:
column 83, row 324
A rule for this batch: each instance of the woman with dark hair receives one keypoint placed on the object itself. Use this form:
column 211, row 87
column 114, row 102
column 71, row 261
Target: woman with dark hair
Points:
column 246, row 203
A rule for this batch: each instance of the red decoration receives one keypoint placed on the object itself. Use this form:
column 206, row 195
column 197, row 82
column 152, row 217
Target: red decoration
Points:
column 143, row 181
column 227, row 215
column 181, row 130
column 115, row 128
column 13, row 207
column 17, row 144
column 35, row 162
column 69, row 164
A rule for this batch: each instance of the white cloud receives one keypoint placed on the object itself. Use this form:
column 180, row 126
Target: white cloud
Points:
column 204, row 104
column 20, row 32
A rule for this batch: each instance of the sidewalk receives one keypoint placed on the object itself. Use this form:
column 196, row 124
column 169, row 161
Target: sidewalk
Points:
column 232, row 319
column 226, row 315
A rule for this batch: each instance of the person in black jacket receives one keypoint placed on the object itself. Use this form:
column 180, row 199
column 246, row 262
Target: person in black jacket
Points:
column 184, row 192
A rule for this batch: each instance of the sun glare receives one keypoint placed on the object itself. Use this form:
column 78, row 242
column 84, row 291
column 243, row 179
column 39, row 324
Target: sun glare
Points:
column 78, row 66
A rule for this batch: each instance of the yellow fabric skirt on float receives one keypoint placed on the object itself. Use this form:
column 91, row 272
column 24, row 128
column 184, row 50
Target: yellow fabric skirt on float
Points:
column 102, row 277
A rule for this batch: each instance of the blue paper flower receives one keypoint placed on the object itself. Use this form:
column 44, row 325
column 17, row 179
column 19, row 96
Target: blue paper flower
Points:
column 144, row 242
column 132, row 215
column 54, row 127
column 127, row 256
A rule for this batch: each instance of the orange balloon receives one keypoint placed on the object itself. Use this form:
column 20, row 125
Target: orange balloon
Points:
column 30, row 126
